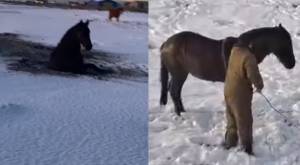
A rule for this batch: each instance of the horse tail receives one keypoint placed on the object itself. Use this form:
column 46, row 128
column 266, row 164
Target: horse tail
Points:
column 161, row 47
column 164, row 79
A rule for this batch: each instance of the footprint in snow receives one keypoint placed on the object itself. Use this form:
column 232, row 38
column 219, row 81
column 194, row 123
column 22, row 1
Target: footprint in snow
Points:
column 158, row 128
column 221, row 22
column 9, row 111
column 202, row 142
column 9, row 106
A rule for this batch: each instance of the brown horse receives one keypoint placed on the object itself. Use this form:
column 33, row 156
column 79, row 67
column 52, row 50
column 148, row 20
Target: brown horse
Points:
column 115, row 13
column 207, row 59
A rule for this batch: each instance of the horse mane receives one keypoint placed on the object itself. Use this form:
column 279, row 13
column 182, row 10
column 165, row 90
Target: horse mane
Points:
column 68, row 37
column 250, row 35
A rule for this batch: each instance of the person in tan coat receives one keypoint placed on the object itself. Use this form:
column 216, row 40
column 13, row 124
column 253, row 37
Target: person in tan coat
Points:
column 242, row 73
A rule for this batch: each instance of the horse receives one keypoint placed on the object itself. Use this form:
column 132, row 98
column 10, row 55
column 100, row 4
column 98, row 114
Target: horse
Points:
column 205, row 58
column 67, row 55
column 115, row 13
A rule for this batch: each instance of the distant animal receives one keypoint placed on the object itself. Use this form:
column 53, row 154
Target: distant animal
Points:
column 67, row 55
column 207, row 59
column 115, row 13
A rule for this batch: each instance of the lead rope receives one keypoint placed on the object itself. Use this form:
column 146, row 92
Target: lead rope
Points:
column 224, row 56
column 286, row 119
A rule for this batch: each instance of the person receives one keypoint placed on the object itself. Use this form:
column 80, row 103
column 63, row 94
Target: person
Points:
column 242, row 73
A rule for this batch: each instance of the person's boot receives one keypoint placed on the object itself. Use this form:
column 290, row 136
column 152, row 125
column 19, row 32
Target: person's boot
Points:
column 231, row 139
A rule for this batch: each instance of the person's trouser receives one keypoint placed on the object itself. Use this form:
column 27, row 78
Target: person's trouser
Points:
column 239, row 123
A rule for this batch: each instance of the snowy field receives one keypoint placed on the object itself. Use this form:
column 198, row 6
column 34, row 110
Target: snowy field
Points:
column 57, row 120
column 185, row 141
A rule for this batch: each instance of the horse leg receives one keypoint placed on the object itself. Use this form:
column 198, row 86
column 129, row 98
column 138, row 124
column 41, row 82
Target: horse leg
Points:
column 175, row 91
column 164, row 79
column 110, row 16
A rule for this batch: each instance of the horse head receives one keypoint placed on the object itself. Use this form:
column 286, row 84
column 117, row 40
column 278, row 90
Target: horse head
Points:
column 276, row 40
column 83, row 34
column 283, row 48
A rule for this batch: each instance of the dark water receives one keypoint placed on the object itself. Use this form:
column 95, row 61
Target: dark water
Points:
column 20, row 55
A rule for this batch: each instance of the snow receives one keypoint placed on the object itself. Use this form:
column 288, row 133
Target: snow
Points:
column 47, row 119
column 183, row 141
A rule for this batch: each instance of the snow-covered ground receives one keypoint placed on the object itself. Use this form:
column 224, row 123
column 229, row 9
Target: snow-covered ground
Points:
column 178, row 141
column 56, row 120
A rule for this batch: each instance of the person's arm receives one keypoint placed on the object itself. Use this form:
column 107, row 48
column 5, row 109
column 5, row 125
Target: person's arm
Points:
column 252, row 72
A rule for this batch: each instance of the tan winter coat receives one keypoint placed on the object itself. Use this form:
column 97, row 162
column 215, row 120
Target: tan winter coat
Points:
column 242, row 72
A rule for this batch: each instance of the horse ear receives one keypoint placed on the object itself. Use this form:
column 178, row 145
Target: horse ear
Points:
column 280, row 25
column 81, row 21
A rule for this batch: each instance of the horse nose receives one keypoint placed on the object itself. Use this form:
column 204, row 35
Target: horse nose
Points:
column 293, row 65
column 290, row 66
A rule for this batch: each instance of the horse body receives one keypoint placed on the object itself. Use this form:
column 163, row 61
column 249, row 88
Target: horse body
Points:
column 207, row 59
column 181, row 52
column 193, row 53
column 67, row 56
column 115, row 13
column 189, row 52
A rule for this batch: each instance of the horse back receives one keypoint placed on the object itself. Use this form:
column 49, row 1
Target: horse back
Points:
column 196, row 54
column 115, row 12
column 184, row 42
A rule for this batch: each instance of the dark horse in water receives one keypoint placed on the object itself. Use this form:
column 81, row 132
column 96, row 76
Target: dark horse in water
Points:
column 67, row 55
column 207, row 59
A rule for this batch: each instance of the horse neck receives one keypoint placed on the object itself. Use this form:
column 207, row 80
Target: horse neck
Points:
column 262, row 48
column 260, row 55
column 70, row 41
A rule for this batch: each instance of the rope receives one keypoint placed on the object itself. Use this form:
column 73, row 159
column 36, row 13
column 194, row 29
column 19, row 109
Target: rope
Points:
column 276, row 110
column 270, row 104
